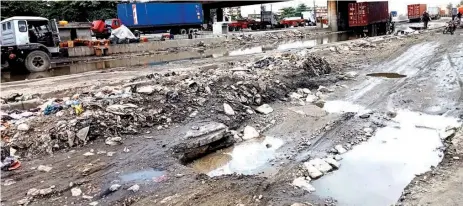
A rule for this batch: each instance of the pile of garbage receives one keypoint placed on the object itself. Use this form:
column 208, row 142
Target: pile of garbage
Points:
column 155, row 101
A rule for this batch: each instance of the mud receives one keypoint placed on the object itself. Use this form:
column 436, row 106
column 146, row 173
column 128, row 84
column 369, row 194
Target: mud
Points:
column 306, row 130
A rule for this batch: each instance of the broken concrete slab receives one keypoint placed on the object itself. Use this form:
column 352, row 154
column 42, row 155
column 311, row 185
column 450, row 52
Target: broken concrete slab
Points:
column 250, row 133
column 321, row 165
column 314, row 173
column 264, row 109
column 304, row 184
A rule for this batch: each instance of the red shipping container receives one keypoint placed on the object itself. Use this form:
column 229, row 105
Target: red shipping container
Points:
column 415, row 11
column 366, row 13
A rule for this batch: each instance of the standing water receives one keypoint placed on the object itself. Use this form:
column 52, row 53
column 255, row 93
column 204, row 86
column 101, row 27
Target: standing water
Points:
column 376, row 172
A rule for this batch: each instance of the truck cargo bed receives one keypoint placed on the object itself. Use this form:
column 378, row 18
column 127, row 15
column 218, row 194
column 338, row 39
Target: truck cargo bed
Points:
column 415, row 11
column 367, row 13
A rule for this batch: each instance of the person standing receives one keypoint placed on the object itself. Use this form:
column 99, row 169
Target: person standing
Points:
column 426, row 18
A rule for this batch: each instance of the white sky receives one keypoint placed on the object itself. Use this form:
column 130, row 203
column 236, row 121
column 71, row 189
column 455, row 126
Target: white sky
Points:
column 394, row 5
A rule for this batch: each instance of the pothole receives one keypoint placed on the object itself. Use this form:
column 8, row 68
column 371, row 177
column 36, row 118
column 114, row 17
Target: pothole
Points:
column 248, row 158
column 376, row 172
column 387, row 75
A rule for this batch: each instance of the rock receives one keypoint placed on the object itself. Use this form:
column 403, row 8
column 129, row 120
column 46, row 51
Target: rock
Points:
column 114, row 187
column 364, row 116
column 320, row 103
column 110, row 154
column 193, row 114
column 340, row 149
column 321, row 165
column 45, row 191
column 89, row 154
column 456, row 158
column 311, row 98
column 250, row 133
column 87, row 197
column 337, row 157
column 300, row 204
column 325, row 89
column 146, row 89
column 368, row 130
column 295, row 96
column 23, row 127
column 391, row 114
column 302, row 183
column 126, row 150
column 44, row 168
column 264, row 109
column 82, row 134
column 33, row 192
column 9, row 182
column 335, row 164
column 113, row 141
column 351, row 74
column 24, row 201
column 134, row 188
column 228, row 109
column 314, row 173
column 306, row 91
column 93, row 203
column 76, row 191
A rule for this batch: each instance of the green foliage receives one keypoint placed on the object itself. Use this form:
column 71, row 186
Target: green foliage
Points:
column 288, row 12
column 301, row 8
column 80, row 11
column 450, row 6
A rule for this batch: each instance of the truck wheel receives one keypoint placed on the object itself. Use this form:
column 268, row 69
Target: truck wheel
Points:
column 37, row 61
column 183, row 31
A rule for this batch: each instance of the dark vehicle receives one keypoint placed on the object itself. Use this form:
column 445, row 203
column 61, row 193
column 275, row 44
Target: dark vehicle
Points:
column 370, row 17
column 179, row 18
column 29, row 42
column 450, row 28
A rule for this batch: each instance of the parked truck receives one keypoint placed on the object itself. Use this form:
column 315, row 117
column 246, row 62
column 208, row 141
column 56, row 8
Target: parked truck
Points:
column 178, row 18
column 415, row 11
column 28, row 42
column 370, row 17
column 434, row 12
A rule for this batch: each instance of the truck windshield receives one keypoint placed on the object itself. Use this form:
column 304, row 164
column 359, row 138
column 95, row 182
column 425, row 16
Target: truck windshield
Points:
column 108, row 22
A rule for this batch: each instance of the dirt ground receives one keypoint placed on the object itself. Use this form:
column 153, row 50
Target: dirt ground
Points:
column 150, row 138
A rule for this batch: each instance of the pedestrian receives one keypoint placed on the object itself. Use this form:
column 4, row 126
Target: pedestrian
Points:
column 459, row 16
column 426, row 18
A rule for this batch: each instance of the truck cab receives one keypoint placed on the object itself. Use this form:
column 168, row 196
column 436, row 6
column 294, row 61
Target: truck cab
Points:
column 28, row 42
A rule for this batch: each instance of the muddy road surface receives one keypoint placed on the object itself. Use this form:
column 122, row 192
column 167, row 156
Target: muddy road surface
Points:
column 355, row 127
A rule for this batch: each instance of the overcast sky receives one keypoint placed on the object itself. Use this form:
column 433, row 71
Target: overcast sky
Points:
column 394, row 5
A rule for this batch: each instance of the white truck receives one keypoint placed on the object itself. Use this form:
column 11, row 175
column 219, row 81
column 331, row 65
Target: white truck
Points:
column 434, row 12
column 28, row 42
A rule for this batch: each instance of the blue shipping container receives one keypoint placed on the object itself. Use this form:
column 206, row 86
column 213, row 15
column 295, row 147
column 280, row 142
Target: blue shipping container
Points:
column 160, row 14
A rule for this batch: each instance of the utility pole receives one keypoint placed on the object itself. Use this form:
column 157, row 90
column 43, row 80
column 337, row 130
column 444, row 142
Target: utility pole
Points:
column 315, row 13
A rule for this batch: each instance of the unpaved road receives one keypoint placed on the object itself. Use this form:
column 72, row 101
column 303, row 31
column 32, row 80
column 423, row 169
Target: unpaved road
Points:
column 430, row 90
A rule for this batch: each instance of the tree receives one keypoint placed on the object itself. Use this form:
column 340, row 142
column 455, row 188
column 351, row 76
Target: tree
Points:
column 288, row 12
column 460, row 4
column 81, row 11
column 301, row 8
column 449, row 7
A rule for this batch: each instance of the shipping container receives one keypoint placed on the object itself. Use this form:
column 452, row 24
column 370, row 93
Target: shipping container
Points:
column 145, row 16
column 460, row 9
column 415, row 11
column 368, row 13
column 434, row 12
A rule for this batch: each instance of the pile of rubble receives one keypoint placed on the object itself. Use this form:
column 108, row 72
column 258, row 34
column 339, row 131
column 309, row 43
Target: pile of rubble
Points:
column 156, row 101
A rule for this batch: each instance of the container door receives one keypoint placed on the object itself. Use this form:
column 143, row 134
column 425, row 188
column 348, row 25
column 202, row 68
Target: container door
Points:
column 353, row 18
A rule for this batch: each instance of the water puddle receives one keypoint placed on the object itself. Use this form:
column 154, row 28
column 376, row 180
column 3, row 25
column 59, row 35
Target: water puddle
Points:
column 249, row 157
column 148, row 175
column 338, row 106
column 160, row 59
column 387, row 75
column 376, row 172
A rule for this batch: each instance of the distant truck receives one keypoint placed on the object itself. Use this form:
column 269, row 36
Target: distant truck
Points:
column 178, row 18
column 369, row 17
column 434, row 12
column 415, row 11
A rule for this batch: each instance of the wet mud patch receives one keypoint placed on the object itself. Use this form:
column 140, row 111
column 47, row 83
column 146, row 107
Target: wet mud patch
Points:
column 387, row 75
column 248, row 158
column 375, row 172
column 147, row 175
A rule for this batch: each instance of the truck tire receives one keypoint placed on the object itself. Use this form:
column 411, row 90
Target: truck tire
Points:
column 183, row 31
column 37, row 61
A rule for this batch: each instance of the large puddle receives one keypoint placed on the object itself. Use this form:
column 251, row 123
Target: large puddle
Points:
column 249, row 157
column 147, row 175
column 160, row 59
column 376, row 172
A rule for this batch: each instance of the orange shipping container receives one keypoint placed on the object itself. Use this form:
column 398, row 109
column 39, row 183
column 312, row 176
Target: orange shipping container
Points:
column 416, row 10
column 460, row 9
